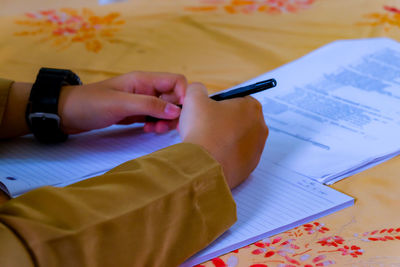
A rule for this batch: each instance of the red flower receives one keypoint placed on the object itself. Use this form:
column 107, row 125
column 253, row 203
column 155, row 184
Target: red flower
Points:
column 218, row 262
column 392, row 9
column 354, row 251
column 269, row 254
column 276, row 240
column 259, row 244
column 258, row 251
column 331, row 241
column 311, row 228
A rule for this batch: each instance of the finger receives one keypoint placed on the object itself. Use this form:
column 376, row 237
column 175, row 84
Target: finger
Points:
column 170, row 123
column 152, row 83
column 255, row 103
column 165, row 126
column 149, row 127
column 161, row 126
column 196, row 92
column 171, row 97
column 132, row 119
column 169, row 83
column 133, row 105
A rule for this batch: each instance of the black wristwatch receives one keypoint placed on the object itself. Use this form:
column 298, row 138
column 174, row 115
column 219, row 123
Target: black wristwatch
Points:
column 42, row 109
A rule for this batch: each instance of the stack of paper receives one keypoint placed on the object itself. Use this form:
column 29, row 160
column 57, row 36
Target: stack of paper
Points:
column 336, row 111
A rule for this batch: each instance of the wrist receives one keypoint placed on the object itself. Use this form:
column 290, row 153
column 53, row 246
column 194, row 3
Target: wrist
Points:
column 67, row 108
column 216, row 152
column 42, row 110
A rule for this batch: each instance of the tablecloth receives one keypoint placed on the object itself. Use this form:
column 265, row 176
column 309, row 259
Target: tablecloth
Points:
column 222, row 43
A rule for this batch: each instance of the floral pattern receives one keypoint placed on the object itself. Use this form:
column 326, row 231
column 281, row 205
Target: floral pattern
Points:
column 66, row 26
column 310, row 245
column 389, row 18
column 252, row 6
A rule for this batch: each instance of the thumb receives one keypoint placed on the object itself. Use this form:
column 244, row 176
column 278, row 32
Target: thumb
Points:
column 196, row 91
column 135, row 104
column 196, row 95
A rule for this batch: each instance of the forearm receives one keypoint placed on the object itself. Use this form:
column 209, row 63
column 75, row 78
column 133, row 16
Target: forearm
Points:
column 13, row 123
column 153, row 211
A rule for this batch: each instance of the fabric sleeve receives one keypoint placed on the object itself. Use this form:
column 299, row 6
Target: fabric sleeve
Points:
column 156, row 210
column 5, row 86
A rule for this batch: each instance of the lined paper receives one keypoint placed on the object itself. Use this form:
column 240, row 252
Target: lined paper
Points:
column 26, row 165
column 271, row 201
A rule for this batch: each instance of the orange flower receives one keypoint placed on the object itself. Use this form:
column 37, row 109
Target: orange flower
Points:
column 388, row 19
column 252, row 6
column 68, row 26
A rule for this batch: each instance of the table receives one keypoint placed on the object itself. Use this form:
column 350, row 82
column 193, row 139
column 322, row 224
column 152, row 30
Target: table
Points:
column 223, row 43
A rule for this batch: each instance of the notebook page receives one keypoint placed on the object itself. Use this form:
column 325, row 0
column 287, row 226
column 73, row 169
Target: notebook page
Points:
column 272, row 201
column 26, row 164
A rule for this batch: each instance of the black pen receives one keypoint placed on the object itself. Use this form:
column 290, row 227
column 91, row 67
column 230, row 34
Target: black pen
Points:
column 237, row 92
column 245, row 90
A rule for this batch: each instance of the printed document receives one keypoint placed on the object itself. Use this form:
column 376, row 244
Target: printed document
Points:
column 336, row 111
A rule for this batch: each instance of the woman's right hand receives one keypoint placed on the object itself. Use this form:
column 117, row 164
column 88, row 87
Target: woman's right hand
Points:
column 232, row 131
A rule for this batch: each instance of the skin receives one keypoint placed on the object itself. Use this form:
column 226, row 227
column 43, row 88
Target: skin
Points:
column 233, row 131
column 125, row 99
column 223, row 128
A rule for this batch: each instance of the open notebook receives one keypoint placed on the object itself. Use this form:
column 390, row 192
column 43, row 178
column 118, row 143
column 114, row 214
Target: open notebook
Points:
column 334, row 112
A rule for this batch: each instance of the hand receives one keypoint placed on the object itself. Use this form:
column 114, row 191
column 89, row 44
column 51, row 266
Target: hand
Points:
column 233, row 131
column 124, row 99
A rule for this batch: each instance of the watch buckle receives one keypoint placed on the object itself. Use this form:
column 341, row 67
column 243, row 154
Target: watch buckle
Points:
column 43, row 116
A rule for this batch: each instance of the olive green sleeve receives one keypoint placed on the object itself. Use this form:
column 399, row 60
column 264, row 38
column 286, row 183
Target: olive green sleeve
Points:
column 5, row 86
column 156, row 210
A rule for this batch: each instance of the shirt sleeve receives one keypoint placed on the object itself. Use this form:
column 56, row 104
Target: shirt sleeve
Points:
column 156, row 210
column 5, row 86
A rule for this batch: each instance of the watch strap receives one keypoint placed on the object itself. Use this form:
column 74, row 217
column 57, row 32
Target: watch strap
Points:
column 42, row 110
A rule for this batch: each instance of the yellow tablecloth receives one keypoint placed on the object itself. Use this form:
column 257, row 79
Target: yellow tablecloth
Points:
column 222, row 43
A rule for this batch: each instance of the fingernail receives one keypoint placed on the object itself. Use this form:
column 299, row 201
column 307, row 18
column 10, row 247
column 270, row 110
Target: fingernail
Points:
column 171, row 109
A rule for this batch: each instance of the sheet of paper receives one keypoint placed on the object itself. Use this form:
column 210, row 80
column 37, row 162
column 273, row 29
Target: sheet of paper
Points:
column 272, row 201
column 335, row 110
column 26, row 165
